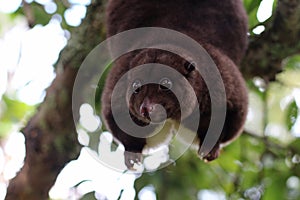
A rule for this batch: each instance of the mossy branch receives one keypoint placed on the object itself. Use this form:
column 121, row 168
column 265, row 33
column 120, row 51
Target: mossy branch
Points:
column 280, row 40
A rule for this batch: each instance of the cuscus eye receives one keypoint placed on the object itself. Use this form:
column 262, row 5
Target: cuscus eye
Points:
column 190, row 66
column 165, row 84
column 136, row 86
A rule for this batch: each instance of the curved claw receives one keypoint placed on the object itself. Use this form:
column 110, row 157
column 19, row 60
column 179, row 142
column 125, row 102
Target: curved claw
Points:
column 212, row 155
column 132, row 158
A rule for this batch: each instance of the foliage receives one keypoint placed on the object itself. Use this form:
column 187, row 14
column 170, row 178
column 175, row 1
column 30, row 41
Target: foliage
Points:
column 252, row 8
column 12, row 114
column 249, row 165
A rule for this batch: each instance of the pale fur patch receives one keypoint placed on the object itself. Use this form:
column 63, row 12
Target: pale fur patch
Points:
column 167, row 131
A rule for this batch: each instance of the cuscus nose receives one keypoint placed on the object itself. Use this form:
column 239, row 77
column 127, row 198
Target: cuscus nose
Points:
column 153, row 112
column 146, row 108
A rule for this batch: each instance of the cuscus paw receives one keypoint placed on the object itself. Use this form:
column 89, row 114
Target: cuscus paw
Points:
column 132, row 158
column 212, row 155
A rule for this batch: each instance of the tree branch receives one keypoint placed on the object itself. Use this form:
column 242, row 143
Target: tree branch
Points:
column 51, row 138
column 280, row 39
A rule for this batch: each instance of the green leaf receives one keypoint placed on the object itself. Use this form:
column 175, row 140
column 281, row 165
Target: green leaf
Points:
column 289, row 78
column 275, row 188
column 228, row 159
column 296, row 146
column 61, row 8
column 292, row 114
column 292, row 63
column 100, row 87
column 5, row 127
column 251, row 7
column 40, row 15
column 255, row 89
column 89, row 196
column 13, row 112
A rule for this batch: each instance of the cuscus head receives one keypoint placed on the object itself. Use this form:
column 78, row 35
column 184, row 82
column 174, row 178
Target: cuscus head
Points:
column 161, row 85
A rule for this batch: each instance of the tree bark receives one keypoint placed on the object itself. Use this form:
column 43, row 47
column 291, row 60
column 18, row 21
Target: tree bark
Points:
column 280, row 40
column 50, row 136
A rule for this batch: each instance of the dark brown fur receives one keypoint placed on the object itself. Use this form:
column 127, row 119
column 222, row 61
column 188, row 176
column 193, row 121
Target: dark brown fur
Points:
column 219, row 26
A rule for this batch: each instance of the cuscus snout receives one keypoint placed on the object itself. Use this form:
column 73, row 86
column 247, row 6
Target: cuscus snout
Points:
column 152, row 111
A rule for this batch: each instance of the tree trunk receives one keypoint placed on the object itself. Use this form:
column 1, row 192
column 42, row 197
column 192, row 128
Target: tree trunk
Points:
column 50, row 136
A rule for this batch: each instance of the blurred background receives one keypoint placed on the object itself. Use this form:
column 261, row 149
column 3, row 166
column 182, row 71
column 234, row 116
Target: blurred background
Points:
column 264, row 163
